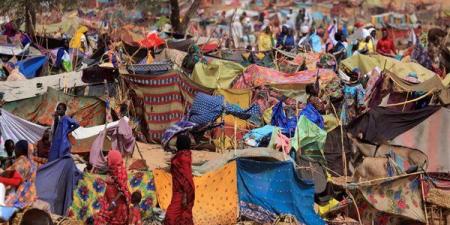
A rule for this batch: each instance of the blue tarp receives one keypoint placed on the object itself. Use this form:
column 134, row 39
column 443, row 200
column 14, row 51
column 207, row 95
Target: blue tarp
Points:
column 55, row 182
column 30, row 66
column 268, row 189
column 313, row 115
column 279, row 119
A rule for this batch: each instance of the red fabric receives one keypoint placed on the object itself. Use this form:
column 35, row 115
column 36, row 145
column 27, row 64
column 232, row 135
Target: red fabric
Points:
column 135, row 216
column 15, row 180
column 116, row 186
column 152, row 40
column 386, row 47
column 209, row 47
column 182, row 187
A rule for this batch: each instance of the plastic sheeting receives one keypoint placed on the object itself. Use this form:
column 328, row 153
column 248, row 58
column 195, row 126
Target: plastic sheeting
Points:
column 16, row 128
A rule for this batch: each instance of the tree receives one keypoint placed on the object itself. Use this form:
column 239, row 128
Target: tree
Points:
column 23, row 11
column 178, row 25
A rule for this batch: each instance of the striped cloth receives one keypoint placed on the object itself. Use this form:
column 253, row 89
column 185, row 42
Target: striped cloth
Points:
column 164, row 99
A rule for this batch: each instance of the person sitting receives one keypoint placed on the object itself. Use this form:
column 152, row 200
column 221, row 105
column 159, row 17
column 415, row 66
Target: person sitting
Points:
column 62, row 127
column 17, row 182
column 285, row 40
column 116, row 200
column 135, row 210
column 9, row 148
column 385, row 45
column 179, row 211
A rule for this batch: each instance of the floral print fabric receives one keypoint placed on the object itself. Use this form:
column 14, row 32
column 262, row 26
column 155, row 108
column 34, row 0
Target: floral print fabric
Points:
column 89, row 190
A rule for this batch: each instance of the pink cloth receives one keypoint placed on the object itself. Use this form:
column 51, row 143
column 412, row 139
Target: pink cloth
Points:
column 256, row 76
column 282, row 143
column 121, row 137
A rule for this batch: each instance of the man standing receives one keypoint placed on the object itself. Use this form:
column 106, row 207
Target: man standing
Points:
column 62, row 127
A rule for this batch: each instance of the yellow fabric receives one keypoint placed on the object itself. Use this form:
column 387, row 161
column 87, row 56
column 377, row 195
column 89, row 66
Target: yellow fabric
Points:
column 216, row 196
column 330, row 121
column 216, row 74
column 150, row 59
column 240, row 97
column 264, row 42
column 369, row 45
column 75, row 42
column 267, row 115
column 329, row 206
column 366, row 63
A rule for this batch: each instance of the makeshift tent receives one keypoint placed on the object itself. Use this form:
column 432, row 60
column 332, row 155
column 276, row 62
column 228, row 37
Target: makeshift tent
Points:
column 215, row 195
column 255, row 76
column 268, row 189
column 398, row 197
column 164, row 99
column 15, row 128
column 217, row 74
column 92, row 187
column 366, row 63
column 87, row 111
column 379, row 125
column 431, row 136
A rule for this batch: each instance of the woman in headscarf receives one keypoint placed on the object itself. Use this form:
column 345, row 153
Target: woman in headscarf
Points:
column 18, row 181
column 116, row 200
column 183, row 189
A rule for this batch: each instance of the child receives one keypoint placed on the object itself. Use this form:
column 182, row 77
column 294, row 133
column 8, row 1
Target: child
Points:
column 135, row 212
column 9, row 148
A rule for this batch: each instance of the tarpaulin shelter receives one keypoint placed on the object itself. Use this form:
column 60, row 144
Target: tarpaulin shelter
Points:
column 268, row 189
column 256, row 76
column 15, row 128
column 216, row 198
column 164, row 99
column 431, row 136
column 366, row 63
column 217, row 74
column 88, row 111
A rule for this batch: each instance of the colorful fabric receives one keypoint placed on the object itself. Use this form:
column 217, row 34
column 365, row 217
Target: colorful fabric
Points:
column 256, row 76
column 183, row 189
column 92, row 187
column 255, row 136
column 30, row 66
column 268, row 189
column 25, row 194
column 279, row 142
column 353, row 102
column 308, row 136
column 431, row 137
column 206, row 108
column 164, row 100
column 280, row 119
column 115, row 203
column 401, row 196
column 76, row 41
column 151, row 41
column 89, row 111
column 215, row 195
column 217, row 74
column 60, row 142
column 313, row 115
column 174, row 129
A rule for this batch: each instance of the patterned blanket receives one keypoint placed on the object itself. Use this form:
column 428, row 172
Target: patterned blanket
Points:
column 92, row 187
column 164, row 99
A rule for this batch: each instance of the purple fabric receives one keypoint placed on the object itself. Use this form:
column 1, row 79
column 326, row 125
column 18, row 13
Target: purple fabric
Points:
column 121, row 137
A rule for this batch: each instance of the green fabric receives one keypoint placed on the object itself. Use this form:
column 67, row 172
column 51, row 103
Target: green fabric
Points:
column 273, row 138
column 216, row 74
column 308, row 136
column 366, row 64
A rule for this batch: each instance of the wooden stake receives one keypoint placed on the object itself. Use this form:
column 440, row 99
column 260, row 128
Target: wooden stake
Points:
column 423, row 198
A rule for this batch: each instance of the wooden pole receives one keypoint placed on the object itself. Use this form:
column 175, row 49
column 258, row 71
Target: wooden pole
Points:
column 423, row 198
